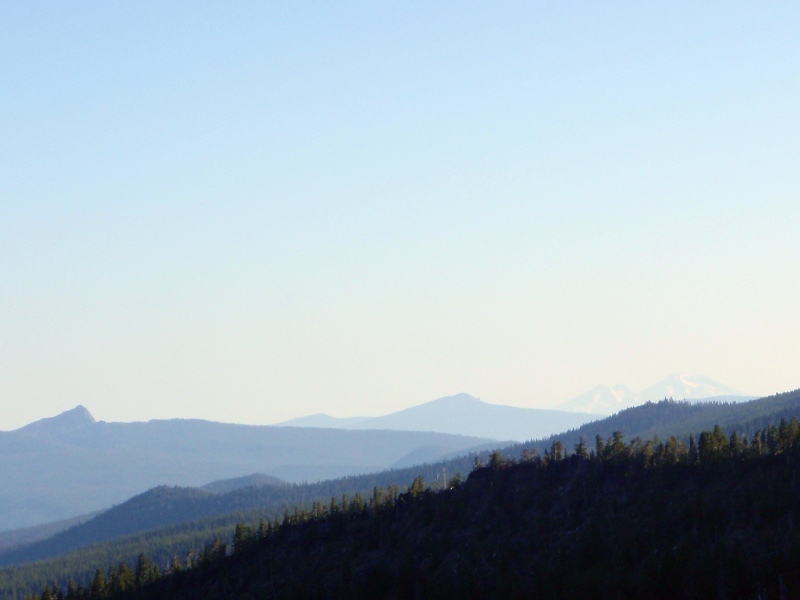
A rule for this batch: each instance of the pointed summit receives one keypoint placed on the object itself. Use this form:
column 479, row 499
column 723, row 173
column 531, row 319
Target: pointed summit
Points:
column 679, row 386
column 79, row 415
column 71, row 419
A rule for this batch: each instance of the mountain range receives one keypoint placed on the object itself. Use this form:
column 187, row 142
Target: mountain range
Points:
column 462, row 414
column 70, row 464
column 645, row 520
column 168, row 507
column 467, row 415
column 605, row 400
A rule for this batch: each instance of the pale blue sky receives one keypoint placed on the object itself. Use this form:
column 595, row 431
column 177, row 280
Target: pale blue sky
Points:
column 248, row 213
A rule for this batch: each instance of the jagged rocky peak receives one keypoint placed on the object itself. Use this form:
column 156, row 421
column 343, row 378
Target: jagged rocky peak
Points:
column 79, row 415
column 70, row 419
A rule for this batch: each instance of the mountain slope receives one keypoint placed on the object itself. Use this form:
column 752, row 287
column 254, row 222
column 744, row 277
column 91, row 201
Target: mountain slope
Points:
column 685, row 387
column 465, row 415
column 607, row 400
column 670, row 417
column 625, row 525
column 68, row 465
column 602, row 400
column 141, row 522
column 662, row 419
column 169, row 506
column 70, row 420
column 223, row 486
column 28, row 535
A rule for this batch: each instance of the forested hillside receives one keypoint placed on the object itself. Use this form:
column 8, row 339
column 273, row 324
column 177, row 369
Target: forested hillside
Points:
column 624, row 519
column 27, row 535
column 173, row 505
column 223, row 486
column 167, row 507
column 669, row 417
column 83, row 549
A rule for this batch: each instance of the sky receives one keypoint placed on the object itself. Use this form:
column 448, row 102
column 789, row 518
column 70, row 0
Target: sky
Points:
column 249, row 212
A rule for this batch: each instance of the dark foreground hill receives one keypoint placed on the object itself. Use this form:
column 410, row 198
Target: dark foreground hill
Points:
column 76, row 553
column 639, row 519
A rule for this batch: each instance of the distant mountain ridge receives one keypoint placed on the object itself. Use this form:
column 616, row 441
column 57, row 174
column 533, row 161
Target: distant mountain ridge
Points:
column 322, row 420
column 224, row 486
column 70, row 464
column 463, row 414
column 605, row 400
column 29, row 535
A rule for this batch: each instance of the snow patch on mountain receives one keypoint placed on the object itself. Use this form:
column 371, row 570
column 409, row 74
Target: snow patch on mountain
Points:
column 605, row 400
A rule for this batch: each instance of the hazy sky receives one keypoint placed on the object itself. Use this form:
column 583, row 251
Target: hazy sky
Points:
column 254, row 211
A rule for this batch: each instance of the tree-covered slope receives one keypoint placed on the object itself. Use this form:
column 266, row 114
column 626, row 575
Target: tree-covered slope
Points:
column 170, row 506
column 681, row 419
column 639, row 519
column 223, row 486
column 178, row 540
column 78, row 552
column 165, row 507
column 27, row 535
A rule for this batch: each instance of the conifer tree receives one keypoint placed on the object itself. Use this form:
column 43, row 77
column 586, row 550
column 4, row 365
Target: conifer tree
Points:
column 417, row 487
column 694, row 456
column 556, row 451
column 735, row 444
column 599, row 446
column 72, row 590
column 580, row 448
column 98, row 587
column 146, row 571
column 242, row 537
column 496, row 460
column 617, row 443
